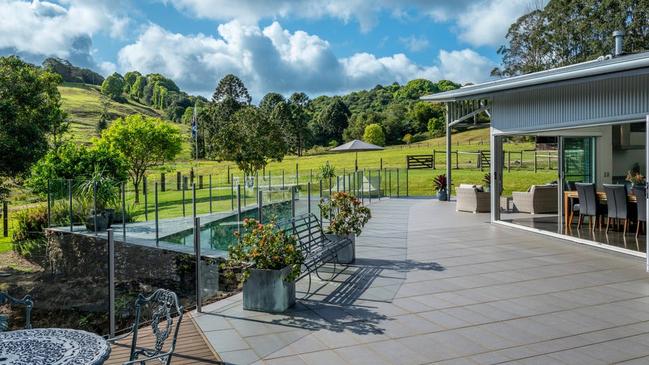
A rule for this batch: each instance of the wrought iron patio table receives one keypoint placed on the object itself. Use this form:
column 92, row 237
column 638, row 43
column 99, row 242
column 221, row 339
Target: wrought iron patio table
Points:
column 52, row 346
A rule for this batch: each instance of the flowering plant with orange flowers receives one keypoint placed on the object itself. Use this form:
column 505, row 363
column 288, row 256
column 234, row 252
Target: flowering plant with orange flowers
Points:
column 346, row 214
column 265, row 247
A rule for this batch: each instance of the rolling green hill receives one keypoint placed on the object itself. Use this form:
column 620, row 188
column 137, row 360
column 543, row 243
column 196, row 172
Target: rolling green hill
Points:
column 82, row 102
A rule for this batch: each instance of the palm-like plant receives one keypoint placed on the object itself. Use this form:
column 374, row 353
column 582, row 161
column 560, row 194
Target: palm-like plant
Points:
column 439, row 182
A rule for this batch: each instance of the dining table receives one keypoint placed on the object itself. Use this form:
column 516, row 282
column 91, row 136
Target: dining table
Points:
column 570, row 196
column 52, row 346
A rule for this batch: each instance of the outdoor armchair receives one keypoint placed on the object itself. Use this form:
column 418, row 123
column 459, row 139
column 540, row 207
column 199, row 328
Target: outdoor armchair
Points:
column 471, row 198
column 539, row 199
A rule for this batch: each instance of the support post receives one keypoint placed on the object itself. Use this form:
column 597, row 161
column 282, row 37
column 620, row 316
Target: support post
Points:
column 407, row 185
column 194, row 200
column 197, row 252
column 183, row 201
column 70, row 202
column 308, row 196
column 163, row 182
column 496, row 169
column 178, row 180
column 210, row 183
column 293, row 201
column 146, row 199
column 49, row 204
column 369, row 185
column 509, row 161
column 200, row 181
column 398, row 191
column 239, row 208
column 157, row 222
column 111, row 282
column 94, row 206
column 123, row 211
column 449, row 180
column 5, row 218
column 260, row 205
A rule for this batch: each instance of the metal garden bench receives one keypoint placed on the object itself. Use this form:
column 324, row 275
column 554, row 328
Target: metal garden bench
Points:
column 317, row 248
column 25, row 301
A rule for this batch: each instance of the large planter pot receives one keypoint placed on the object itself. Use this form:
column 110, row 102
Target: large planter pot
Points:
column 348, row 254
column 442, row 195
column 267, row 291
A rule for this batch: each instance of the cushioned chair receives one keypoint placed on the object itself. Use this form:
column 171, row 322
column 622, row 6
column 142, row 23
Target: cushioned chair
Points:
column 471, row 198
column 618, row 209
column 588, row 205
column 539, row 199
column 641, row 197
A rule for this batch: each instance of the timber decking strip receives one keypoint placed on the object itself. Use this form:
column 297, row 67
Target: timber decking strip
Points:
column 191, row 347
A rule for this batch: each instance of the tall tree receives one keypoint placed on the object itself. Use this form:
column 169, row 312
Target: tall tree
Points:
column 571, row 31
column 269, row 101
column 30, row 111
column 358, row 122
column 332, row 121
column 113, row 86
column 231, row 86
column 299, row 127
column 374, row 134
column 144, row 142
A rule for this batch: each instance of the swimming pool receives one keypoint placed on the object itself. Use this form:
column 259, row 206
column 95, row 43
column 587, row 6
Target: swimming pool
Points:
column 219, row 234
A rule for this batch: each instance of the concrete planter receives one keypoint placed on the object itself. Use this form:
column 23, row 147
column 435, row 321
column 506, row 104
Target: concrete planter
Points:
column 348, row 254
column 267, row 291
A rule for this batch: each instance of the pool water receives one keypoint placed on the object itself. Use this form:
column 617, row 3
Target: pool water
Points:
column 219, row 234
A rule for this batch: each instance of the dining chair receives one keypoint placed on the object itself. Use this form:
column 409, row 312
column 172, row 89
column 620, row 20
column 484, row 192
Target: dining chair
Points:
column 26, row 301
column 641, row 204
column 588, row 205
column 163, row 304
column 616, row 199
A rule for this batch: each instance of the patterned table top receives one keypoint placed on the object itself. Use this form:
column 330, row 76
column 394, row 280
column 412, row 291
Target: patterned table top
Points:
column 52, row 346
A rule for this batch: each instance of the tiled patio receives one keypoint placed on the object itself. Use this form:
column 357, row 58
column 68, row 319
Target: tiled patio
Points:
column 434, row 286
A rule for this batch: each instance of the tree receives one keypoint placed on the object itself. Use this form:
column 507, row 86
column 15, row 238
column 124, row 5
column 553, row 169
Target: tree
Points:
column 541, row 39
column 420, row 114
column 30, row 111
column 415, row 89
column 129, row 80
column 76, row 161
column 332, row 121
column 395, row 123
column 374, row 135
column 71, row 73
column 407, row 139
column 358, row 122
column 250, row 139
column 144, row 142
column 298, row 130
column 137, row 89
column 113, row 86
column 269, row 101
column 231, row 86
column 104, row 117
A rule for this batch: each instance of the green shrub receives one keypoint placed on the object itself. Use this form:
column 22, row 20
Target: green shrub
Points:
column 28, row 238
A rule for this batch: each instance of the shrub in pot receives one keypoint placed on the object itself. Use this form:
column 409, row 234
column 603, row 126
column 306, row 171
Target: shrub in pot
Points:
column 439, row 183
column 106, row 193
column 270, row 261
column 347, row 216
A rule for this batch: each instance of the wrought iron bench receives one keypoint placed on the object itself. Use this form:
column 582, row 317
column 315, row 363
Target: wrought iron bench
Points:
column 25, row 301
column 163, row 304
column 317, row 248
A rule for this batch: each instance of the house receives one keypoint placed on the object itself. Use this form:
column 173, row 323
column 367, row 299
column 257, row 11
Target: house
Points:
column 598, row 112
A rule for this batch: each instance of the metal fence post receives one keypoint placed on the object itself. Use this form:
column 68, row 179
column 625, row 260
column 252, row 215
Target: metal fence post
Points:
column 157, row 226
column 183, row 201
column 245, row 193
column 49, row 204
column 178, row 180
column 210, row 182
column 260, row 205
column 369, row 185
column 337, row 183
column 123, row 210
column 194, row 200
column 232, row 194
column 163, row 182
column 111, row 282
column 197, row 252
column 283, row 179
column 70, row 204
column 293, row 202
column 270, row 179
column 407, row 185
column 379, row 184
column 398, row 182
column 535, row 161
column 362, row 179
column 390, row 184
column 321, row 198
column 239, row 207
column 308, row 196
column 94, row 206
column 146, row 200
column 297, row 174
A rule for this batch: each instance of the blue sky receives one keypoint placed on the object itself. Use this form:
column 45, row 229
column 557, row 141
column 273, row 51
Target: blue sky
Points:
column 320, row 47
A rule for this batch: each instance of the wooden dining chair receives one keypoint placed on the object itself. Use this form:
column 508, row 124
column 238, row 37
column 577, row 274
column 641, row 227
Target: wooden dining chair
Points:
column 588, row 205
column 618, row 209
column 641, row 204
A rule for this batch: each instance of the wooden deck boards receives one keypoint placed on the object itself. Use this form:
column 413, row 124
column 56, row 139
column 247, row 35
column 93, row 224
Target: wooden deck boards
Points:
column 191, row 347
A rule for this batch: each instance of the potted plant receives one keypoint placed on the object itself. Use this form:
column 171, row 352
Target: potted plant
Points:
column 486, row 180
column 105, row 192
column 439, row 182
column 347, row 217
column 270, row 261
column 634, row 177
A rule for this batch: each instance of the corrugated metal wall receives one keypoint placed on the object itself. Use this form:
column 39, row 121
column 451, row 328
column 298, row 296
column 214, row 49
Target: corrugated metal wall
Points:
column 575, row 104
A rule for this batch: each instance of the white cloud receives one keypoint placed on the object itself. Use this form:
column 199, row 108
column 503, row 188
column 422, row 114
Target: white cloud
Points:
column 415, row 44
column 464, row 66
column 485, row 23
column 478, row 22
column 275, row 59
column 51, row 29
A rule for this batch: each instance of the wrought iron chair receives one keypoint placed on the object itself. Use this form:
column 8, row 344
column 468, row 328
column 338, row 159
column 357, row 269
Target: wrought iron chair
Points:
column 163, row 303
column 26, row 301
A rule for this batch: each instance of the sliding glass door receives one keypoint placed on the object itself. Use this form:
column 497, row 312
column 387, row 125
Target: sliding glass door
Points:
column 578, row 159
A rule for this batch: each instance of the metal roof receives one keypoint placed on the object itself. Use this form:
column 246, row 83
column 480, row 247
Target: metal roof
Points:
column 598, row 67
